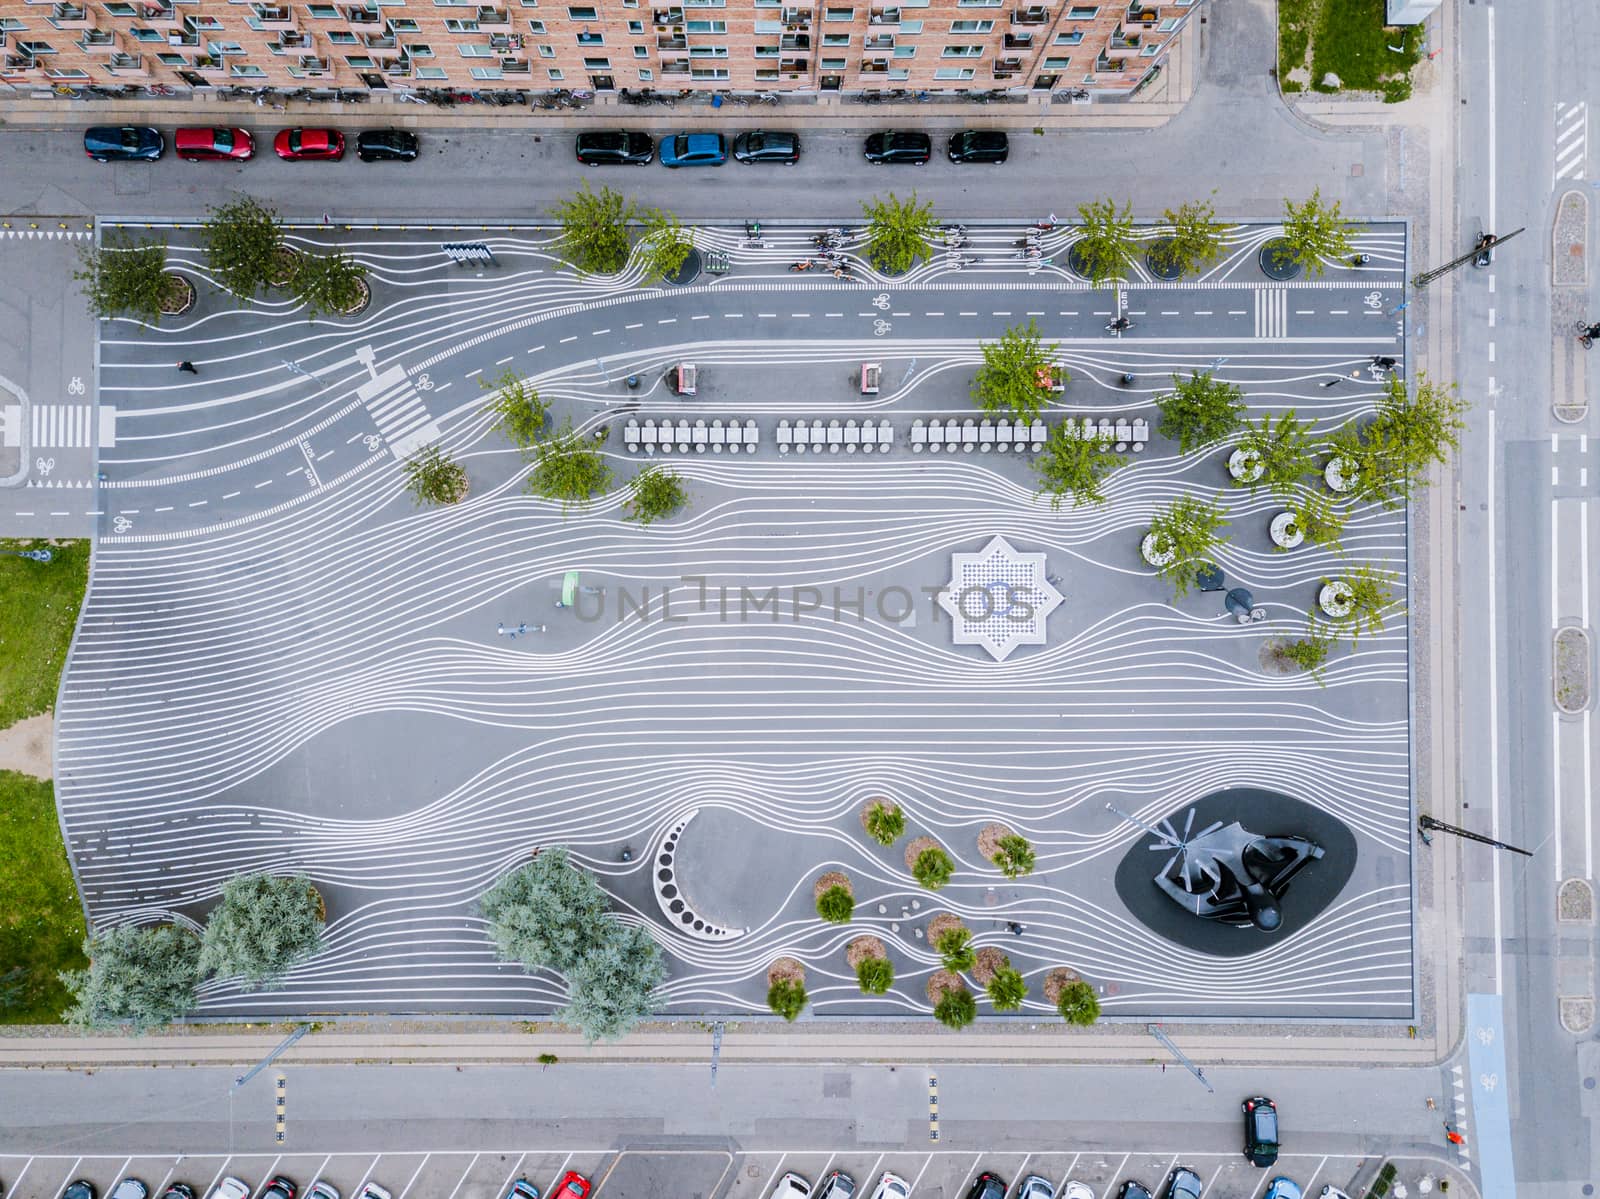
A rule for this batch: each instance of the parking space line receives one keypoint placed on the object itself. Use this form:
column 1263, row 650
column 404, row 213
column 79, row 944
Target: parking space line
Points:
column 1266, row 1176
column 206, row 1193
column 122, row 1172
column 1022, row 1171
column 565, row 1162
column 821, row 1174
column 71, row 1170
column 1115, row 1174
column 1067, row 1177
column 272, row 1170
column 966, row 1178
column 782, row 1157
column 16, row 1182
column 162, row 1189
column 506, row 1185
column 414, row 1174
column 318, row 1173
column 873, row 1173
column 1314, row 1174
column 464, row 1174
column 1221, row 1166
column 367, row 1176
column 926, row 1162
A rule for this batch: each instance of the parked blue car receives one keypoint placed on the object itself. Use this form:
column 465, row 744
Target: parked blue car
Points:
column 123, row 143
column 1283, row 1188
column 694, row 150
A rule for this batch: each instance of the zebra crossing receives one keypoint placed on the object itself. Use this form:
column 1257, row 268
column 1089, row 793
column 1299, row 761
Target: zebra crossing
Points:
column 392, row 401
column 1572, row 140
column 59, row 426
column 1272, row 312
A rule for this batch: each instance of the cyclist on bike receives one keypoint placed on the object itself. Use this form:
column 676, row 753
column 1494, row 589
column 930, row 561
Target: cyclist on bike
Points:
column 1119, row 325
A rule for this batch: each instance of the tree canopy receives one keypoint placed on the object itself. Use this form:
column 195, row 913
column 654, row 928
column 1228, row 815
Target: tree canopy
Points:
column 1413, row 431
column 1195, row 240
column 138, row 978
column 664, row 246
column 1200, row 411
column 519, row 413
column 594, row 229
column 933, row 868
column 1073, row 466
column 125, row 277
column 1078, row 1004
column 568, row 470
column 327, row 282
column 1105, row 251
column 655, row 493
column 1014, row 855
column 261, row 927
column 1186, row 532
column 609, row 988
column 787, row 997
column 875, row 976
column 243, row 240
column 900, row 233
column 548, row 913
column 885, row 823
column 1313, row 232
column 433, row 477
column 1007, row 989
column 1015, row 378
column 956, row 1008
column 1284, row 448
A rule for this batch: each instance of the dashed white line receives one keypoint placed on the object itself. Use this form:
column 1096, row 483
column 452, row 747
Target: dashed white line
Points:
column 503, row 361
column 264, row 483
column 565, row 340
column 766, row 316
column 599, row 332
column 199, row 503
column 1338, row 312
column 1202, row 312
column 1491, row 318
column 1305, row 311
column 1236, row 312
column 670, row 320
column 640, row 325
column 958, row 314
column 1170, row 312
column 473, row 374
column 1033, row 314
column 840, row 314
column 230, row 495
column 799, row 316
column 924, row 314
column 702, row 317
column 733, row 316
column 168, row 508
column 128, row 512
column 324, row 454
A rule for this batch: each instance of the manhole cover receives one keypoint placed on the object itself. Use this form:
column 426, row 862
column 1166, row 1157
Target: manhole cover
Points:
column 1588, row 1084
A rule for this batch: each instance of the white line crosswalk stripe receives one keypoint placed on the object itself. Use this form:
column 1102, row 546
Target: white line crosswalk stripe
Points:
column 1272, row 312
column 62, row 425
column 395, row 408
column 1572, row 141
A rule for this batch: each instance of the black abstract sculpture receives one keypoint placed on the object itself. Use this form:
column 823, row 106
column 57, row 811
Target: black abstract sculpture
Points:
column 1227, row 873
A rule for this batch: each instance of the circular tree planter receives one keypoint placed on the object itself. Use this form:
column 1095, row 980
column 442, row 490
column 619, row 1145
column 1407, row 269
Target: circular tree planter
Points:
column 941, row 924
column 1272, row 266
column 863, row 949
column 1075, row 262
column 360, row 305
column 1153, row 553
column 1271, row 658
column 283, row 267
column 1153, row 262
column 989, row 840
column 177, row 294
column 830, row 880
column 941, row 981
column 1286, row 532
column 990, row 961
column 914, row 850
column 790, row 970
column 1057, row 981
column 1341, row 475
column 877, row 801
column 1334, row 600
column 1246, row 465
column 688, row 272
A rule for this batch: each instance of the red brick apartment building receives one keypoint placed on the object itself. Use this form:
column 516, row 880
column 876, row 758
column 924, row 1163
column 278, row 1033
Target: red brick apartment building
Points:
column 803, row 46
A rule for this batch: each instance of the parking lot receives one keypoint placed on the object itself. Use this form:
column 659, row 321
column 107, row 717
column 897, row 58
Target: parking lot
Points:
column 647, row 1173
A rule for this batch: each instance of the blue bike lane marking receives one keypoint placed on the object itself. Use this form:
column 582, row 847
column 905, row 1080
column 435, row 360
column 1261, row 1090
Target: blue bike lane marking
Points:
column 1490, row 1088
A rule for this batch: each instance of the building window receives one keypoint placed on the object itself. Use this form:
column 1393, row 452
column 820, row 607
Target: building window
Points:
column 961, row 52
column 66, row 73
column 908, row 27
column 836, row 39
column 905, row 51
column 359, row 62
column 833, row 64
column 769, row 27
column 1168, row 24
column 597, row 64
column 460, row 25
column 223, row 49
column 419, row 50
column 557, row 74
column 978, row 3
column 839, row 14
column 582, row 14
column 341, row 37
column 633, row 27
column 148, row 35
column 487, row 73
column 323, row 12
column 955, row 73
column 709, row 73
column 12, row 25
column 172, row 60
column 116, row 10
column 471, row 51
column 646, row 75
column 36, row 48
column 244, row 70
column 708, row 52
column 766, row 52
column 431, row 73
column 535, row 26
column 402, row 25
column 1150, row 51
column 1057, row 64
column 641, row 52
column 971, row 26
column 1079, row 12
column 547, row 51
column 897, row 74
column 1069, row 39
column 591, row 39
column 708, row 27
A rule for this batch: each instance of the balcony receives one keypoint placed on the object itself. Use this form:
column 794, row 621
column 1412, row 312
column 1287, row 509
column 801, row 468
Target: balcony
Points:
column 1004, row 68
column 363, row 16
column 668, row 16
column 801, row 41
column 1123, row 41
column 293, row 39
column 160, row 15
column 274, row 16
column 400, row 68
column 493, row 18
column 310, row 64
column 183, row 39
column 516, row 66
column 796, row 18
column 97, row 41
column 128, row 65
column 675, row 41
column 1138, row 15
column 794, row 66
column 70, row 16
column 505, row 42
column 1035, row 15
column 18, row 65
column 380, row 45
column 206, row 64
column 884, row 16
column 875, row 66
column 878, row 41
column 675, row 66
column 1018, row 41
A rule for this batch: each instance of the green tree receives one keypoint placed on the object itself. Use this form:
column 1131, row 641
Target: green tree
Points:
column 1014, row 856
column 933, row 868
column 125, row 277
column 519, row 413
column 1319, row 519
column 836, row 905
column 1073, row 466
column 1105, row 251
column 1014, row 379
column 655, row 493
column 1370, row 591
column 1007, row 989
column 1078, row 1004
column 1310, row 652
column 1283, row 446
column 1187, row 529
column 1412, row 431
column 875, row 976
column 885, row 823
column 787, row 997
column 664, row 246
column 243, row 240
column 900, row 233
column 1200, row 410
column 328, row 282
column 138, row 978
column 568, row 470
column 1312, row 233
column 956, row 1008
column 609, row 987
column 263, row 925
column 1195, row 240
column 432, row 477
column 594, row 229
column 546, row 914
column 954, row 947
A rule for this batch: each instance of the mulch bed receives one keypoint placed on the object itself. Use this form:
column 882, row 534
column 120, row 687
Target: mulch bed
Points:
column 787, row 970
column 990, row 962
column 863, row 948
column 989, row 840
column 914, row 850
column 941, row 981
column 941, row 924
column 830, row 880
column 1057, row 981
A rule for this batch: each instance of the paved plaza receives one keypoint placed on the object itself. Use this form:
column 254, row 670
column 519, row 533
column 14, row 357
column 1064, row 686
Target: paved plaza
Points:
column 284, row 665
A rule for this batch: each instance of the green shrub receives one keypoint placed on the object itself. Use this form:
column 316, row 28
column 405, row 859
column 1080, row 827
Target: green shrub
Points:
column 1014, row 856
column 956, row 1009
column 432, row 477
column 520, row 414
column 1007, row 989
column 885, row 824
column 875, row 975
column 933, row 868
column 787, row 998
column 263, row 925
column 1078, row 1003
column 138, row 978
column 655, row 493
column 836, row 905
column 954, row 947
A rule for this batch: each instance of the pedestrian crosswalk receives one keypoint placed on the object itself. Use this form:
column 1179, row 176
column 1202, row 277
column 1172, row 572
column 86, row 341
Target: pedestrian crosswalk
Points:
column 395, row 407
column 59, row 426
column 1272, row 312
column 1572, row 140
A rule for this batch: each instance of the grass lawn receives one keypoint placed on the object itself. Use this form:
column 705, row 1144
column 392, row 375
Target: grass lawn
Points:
column 41, row 922
column 39, row 604
column 1349, row 39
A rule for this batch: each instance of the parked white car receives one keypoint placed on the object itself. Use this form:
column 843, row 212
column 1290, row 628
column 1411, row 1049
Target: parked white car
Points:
column 892, row 1186
column 790, row 1186
column 1077, row 1190
column 230, row 1188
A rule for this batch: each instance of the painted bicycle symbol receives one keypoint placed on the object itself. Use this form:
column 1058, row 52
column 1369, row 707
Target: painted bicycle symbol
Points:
column 373, row 442
column 881, row 301
column 77, row 387
column 1373, row 299
column 122, row 524
column 424, row 383
column 44, row 466
column 880, row 327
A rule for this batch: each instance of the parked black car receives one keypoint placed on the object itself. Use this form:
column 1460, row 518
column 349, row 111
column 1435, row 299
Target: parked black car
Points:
column 980, row 145
column 1260, row 1131
column 123, row 143
column 178, row 1190
column 1182, row 1183
column 386, row 145
column 987, row 1186
column 82, row 1188
column 898, row 145
column 767, row 145
column 615, row 147
column 1133, row 1190
column 278, row 1187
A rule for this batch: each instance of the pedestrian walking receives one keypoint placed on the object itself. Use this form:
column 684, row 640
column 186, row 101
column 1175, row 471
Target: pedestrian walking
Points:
column 1453, row 1136
column 188, row 366
column 1382, row 363
column 326, row 219
column 1016, row 929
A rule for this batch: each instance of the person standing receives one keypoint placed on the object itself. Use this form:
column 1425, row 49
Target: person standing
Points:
column 188, row 366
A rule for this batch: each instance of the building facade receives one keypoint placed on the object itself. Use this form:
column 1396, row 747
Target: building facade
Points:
column 538, row 45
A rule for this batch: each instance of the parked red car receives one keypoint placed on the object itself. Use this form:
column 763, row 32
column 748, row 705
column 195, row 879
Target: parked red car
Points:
column 295, row 144
column 195, row 144
column 572, row 1186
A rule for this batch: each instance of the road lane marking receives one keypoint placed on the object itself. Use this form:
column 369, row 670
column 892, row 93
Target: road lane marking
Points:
column 1494, row 716
column 414, row 1174
column 454, row 1190
column 640, row 325
column 218, row 1175
column 1115, row 1174
column 505, row 1186
column 503, row 361
column 473, row 373
column 565, row 340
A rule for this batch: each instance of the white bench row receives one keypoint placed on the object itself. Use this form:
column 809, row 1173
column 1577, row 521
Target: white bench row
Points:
column 832, row 436
column 681, row 435
column 972, row 435
column 1121, row 434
